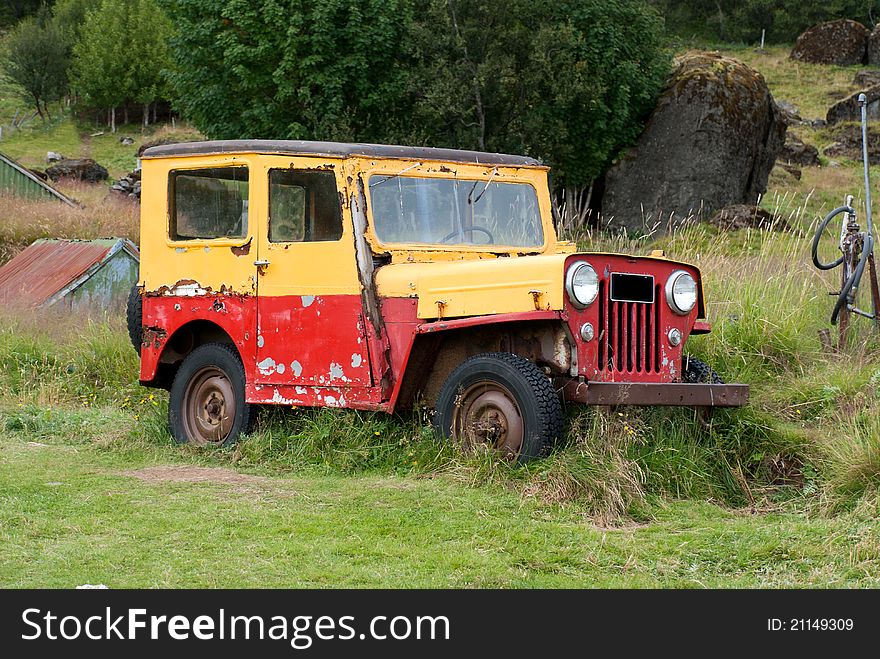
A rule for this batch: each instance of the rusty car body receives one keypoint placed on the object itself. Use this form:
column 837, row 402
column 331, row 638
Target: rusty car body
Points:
column 377, row 277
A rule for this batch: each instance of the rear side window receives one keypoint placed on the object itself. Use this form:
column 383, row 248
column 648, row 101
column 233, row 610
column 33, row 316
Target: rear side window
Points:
column 209, row 203
column 303, row 206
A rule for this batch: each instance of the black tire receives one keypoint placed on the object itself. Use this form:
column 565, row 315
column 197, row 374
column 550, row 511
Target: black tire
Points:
column 480, row 401
column 134, row 316
column 209, row 380
column 696, row 371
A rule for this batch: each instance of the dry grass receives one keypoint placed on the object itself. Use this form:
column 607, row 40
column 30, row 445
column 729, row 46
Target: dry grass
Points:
column 102, row 215
column 811, row 88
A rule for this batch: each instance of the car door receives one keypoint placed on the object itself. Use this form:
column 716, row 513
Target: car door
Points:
column 310, row 321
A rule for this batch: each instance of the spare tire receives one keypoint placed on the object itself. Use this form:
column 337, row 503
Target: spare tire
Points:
column 134, row 316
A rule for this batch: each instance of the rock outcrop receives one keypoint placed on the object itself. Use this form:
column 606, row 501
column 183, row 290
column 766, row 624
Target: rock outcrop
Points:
column 710, row 142
column 843, row 42
column 867, row 78
column 82, row 169
column 848, row 144
column 797, row 152
column 849, row 109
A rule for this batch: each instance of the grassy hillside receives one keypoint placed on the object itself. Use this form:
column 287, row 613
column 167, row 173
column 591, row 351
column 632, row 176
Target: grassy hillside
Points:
column 782, row 493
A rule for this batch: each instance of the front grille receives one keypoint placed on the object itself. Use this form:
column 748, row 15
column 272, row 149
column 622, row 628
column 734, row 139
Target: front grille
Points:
column 629, row 334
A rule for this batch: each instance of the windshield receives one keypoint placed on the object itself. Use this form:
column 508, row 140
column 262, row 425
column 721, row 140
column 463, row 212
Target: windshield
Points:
column 439, row 211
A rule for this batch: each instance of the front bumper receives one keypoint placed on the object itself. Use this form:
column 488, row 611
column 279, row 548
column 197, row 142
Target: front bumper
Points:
column 656, row 393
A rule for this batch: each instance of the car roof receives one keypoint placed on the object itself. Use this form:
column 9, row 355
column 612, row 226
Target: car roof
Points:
column 338, row 150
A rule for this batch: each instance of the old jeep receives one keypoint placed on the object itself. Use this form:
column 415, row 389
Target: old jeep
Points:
column 379, row 277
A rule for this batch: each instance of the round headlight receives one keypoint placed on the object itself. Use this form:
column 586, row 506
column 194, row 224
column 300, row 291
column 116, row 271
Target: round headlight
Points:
column 681, row 292
column 582, row 284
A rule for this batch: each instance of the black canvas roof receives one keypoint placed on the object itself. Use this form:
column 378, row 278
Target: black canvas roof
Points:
column 337, row 150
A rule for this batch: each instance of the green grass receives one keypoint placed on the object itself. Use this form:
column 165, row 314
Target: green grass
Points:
column 69, row 515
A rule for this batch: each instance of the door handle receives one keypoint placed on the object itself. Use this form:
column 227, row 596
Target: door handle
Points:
column 262, row 263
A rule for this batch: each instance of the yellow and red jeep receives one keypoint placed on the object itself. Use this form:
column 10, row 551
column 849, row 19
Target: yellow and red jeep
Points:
column 379, row 277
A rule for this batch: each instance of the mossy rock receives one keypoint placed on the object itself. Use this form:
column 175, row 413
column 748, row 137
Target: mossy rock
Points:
column 710, row 142
column 842, row 42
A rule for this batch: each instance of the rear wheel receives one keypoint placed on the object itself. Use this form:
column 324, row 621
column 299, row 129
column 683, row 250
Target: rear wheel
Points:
column 207, row 403
column 502, row 402
column 134, row 316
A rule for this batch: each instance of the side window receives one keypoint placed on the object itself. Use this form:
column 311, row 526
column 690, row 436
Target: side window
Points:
column 209, row 203
column 303, row 206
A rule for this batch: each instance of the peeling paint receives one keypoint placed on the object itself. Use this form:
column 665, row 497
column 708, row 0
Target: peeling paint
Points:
column 356, row 359
column 278, row 398
column 242, row 250
column 332, row 401
column 280, row 368
column 336, row 371
column 296, row 367
column 261, row 341
column 267, row 366
column 302, row 390
column 307, row 300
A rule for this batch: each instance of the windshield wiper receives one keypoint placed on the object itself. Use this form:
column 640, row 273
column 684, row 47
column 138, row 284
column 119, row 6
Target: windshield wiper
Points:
column 392, row 176
column 483, row 191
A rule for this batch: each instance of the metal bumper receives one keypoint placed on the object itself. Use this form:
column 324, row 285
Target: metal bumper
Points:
column 656, row 393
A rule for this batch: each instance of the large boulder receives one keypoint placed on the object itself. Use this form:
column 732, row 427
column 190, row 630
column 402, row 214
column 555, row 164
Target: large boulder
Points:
column 710, row 142
column 842, row 42
column 82, row 169
column 874, row 47
column 849, row 109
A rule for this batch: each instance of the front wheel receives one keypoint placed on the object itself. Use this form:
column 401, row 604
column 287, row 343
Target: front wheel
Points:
column 696, row 371
column 500, row 401
column 207, row 402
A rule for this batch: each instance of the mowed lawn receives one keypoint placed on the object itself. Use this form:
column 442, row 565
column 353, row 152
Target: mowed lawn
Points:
column 74, row 513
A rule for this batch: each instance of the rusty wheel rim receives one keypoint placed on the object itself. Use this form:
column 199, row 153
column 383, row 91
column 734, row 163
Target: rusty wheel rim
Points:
column 487, row 415
column 208, row 407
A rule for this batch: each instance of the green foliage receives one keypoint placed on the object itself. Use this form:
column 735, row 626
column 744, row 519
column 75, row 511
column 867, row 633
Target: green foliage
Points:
column 121, row 53
column 274, row 68
column 70, row 15
column 566, row 81
column 38, row 61
column 569, row 82
column 12, row 11
column 743, row 20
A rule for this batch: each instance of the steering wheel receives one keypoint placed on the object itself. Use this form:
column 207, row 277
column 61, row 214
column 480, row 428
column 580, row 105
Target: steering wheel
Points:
column 471, row 230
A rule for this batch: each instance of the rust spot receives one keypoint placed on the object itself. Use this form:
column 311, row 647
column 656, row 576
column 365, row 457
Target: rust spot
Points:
column 242, row 250
column 445, row 169
column 153, row 335
column 536, row 296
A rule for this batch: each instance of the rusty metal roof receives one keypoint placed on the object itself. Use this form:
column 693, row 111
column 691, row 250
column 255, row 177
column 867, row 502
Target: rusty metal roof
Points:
column 338, row 150
column 48, row 267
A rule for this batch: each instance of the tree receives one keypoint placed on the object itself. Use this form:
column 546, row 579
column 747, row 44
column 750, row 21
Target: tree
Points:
column 149, row 54
column 120, row 55
column 38, row 61
column 70, row 15
column 568, row 81
column 278, row 68
column 100, row 58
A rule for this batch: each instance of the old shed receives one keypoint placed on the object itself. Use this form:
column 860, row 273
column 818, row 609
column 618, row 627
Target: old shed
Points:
column 74, row 275
column 21, row 182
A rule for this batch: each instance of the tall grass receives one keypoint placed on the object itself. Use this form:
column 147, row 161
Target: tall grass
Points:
column 105, row 215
